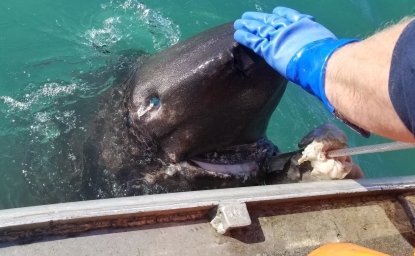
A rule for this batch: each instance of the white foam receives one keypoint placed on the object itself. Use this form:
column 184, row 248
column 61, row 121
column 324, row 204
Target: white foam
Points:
column 55, row 89
column 258, row 8
column 107, row 35
column 15, row 104
column 163, row 30
column 48, row 90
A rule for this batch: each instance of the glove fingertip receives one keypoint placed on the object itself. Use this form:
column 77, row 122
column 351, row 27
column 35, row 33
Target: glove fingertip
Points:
column 247, row 39
column 284, row 11
column 239, row 36
column 242, row 36
column 247, row 15
column 237, row 24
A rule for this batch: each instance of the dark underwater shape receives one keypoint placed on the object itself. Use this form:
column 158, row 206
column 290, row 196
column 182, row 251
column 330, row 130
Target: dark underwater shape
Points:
column 203, row 102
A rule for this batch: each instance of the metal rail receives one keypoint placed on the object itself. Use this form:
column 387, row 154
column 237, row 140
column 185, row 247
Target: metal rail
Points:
column 377, row 213
column 78, row 212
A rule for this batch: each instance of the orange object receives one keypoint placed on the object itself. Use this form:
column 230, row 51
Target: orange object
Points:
column 344, row 249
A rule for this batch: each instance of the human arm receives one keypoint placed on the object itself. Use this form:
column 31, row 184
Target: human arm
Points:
column 351, row 78
column 357, row 84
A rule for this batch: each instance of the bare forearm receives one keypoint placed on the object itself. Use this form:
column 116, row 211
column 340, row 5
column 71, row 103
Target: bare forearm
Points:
column 356, row 84
column 354, row 81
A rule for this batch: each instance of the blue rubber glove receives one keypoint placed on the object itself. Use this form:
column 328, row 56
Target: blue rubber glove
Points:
column 293, row 44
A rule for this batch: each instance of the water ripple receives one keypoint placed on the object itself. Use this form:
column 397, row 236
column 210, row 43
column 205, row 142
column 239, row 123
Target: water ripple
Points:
column 47, row 93
column 131, row 22
column 108, row 34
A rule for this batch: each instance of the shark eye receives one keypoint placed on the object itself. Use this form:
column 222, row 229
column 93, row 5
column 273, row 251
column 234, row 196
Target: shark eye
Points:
column 154, row 101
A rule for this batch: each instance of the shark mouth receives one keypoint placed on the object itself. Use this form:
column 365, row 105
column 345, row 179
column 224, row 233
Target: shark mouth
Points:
column 240, row 160
column 239, row 169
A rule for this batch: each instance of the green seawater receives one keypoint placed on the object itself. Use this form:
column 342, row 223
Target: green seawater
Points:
column 57, row 57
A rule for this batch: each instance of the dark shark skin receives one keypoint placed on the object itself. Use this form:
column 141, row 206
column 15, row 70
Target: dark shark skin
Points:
column 206, row 98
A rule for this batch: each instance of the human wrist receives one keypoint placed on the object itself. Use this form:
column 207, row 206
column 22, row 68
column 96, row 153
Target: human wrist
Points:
column 308, row 66
column 336, row 75
column 356, row 83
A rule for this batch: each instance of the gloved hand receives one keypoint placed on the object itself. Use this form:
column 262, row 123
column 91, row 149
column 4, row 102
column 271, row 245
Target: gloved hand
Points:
column 293, row 44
